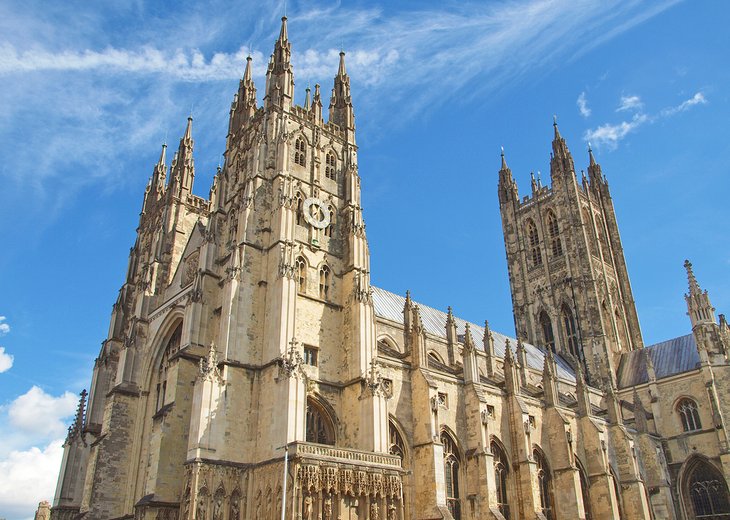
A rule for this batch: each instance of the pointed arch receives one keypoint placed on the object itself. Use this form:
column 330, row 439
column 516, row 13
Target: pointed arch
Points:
column 571, row 332
column 452, row 465
column 556, row 246
column 301, row 273
column 330, row 168
column 501, row 476
column 170, row 345
column 320, row 426
column 546, row 327
column 324, row 281
column 544, row 482
column 299, row 208
column 397, row 445
column 533, row 242
column 703, row 490
column 300, row 151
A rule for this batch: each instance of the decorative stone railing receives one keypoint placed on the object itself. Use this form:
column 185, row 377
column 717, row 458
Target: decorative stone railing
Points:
column 344, row 455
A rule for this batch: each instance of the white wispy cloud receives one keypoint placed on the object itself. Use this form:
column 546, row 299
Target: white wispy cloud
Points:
column 4, row 326
column 611, row 134
column 6, row 360
column 697, row 99
column 27, row 477
column 630, row 103
column 39, row 414
column 582, row 103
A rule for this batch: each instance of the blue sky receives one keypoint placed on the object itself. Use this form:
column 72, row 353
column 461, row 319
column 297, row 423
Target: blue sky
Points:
column 89, row 91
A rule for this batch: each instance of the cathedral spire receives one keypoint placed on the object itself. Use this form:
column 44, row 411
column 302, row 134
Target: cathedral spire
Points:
column 244, row 104
column 159, row 174
column 317, row 103
column 594, row 169
column 77, row 427
column 308, row 99
column 699, row 307
column 507, row 185
column 562, row 160
column 279, row 76
column 341, row 112
column 183, row 167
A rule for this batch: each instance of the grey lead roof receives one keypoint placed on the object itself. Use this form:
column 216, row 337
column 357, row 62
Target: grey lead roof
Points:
column 390, row 307
column 670, row 357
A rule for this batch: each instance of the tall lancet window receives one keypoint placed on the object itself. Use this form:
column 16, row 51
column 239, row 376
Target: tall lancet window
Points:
column 299, row 205
column 690, row 416
column 319, row 426
column 171, row 346
column 301, row 266
column 571, row 333
column 544, row 482
column 331, row 226
column 555, row 245
column 300, row 152
column 547, row 331
column 324, row 282
column 533, row 241
column 451, row 472
column 501, row 478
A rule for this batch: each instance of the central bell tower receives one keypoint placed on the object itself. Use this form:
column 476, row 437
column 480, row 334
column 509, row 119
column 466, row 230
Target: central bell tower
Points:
column 570, row 286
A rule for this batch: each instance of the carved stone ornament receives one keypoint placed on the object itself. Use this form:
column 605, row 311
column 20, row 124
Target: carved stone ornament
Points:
column 290, row 364
column 374, row 380
column 208, row 367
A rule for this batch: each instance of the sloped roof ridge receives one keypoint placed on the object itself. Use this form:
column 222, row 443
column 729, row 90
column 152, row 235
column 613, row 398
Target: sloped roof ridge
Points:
column 390, row 306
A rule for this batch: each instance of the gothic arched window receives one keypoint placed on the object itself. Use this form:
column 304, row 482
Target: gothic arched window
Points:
column 690, row 416
column 590, row 233
column 330, row 227
column 555, row 245
column 451, row 472
column 547, row 331
column 571, row 332
column 299, row 208
column 300, row 152
column 330, row 166
column 301, row 265
column 324, row 282
column 319, row 426
column 585, row 486
column 501, row 478
column 534, row 242
column 397, row 446
column 602, row 240
column 707, row 492
column 171, row 346
column 544, row 482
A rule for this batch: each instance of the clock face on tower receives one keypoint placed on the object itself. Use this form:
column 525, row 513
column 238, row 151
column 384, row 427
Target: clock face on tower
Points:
column 316, row 213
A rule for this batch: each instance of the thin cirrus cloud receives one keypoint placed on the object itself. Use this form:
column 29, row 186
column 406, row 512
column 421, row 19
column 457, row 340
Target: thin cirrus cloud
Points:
column 4, row 326
column 582, row 103
column 629, row 103
column 112, row 101
column 610, row 135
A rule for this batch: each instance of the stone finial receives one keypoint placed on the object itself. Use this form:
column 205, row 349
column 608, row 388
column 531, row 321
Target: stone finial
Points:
column 208, row 366
column 699, row 307
column 694, row 287
column 468, row 339
column 504, row 161
column 77, row 427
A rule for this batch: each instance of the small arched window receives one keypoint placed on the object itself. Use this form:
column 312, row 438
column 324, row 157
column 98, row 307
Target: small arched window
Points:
column 319, row 426
column 451, row 472
column 324, row 282
column 397, row 446
column 330, row 168
column 301, row 265
column 501, row 478
column 547, row 331
column 330, row 227
column 689, row 414
column 299, row 208
column 556, row 246
column 544, row 482
column 300, row 152
column 534, row 243
column 571, row 332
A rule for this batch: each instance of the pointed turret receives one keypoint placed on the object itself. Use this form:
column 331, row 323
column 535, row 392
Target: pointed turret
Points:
column 488, row 343
column 562, row 160
column 507, row 185
column 471, row 370
column 341, row 112
column 183, row 166
column 408, row 312
column 77, row 427
column 511, row 379
column 549, row 380
column 594, row 169
column 317, row 104
column 308, row 99
column 244, row 104
column 279, row 76
column 699, row 308
column 156, row 187
column 522, row 361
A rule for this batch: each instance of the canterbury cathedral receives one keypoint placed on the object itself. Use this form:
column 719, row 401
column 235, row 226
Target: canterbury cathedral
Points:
column 251, row 371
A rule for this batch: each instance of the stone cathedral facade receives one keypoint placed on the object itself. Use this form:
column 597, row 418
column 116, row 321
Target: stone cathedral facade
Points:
column 251, row 371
